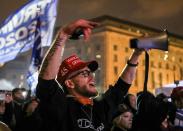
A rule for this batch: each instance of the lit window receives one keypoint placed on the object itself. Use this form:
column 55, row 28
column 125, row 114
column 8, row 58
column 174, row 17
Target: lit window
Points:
column 153, row 79
column 174, row 67
column 98, row 56
column 159, row 65
column 160, row 79
column 126, row 49
column 115, row 70
column 167, row 78
column 167, row 66
column 115, row 58
column 115, row 47
column 180, row 60
column 136, row 80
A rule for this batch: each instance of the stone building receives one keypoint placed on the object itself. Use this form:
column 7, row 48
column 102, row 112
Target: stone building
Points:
column 109, row 45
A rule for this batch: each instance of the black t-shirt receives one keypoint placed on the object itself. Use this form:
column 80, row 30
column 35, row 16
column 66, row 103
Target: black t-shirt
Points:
column 62, row 113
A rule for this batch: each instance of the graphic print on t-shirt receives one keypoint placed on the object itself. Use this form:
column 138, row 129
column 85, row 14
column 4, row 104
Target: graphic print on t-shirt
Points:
column 85, row 123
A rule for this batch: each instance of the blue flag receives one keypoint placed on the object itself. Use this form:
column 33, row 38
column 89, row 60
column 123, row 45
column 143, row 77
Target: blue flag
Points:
column 18, row 31
column 42, row 36
column 31, row 26
column 36, row 59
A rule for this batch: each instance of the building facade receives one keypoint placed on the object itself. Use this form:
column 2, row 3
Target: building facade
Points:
column 109, row 45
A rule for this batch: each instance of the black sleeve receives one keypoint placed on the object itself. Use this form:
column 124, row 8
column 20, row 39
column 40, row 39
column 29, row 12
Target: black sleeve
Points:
column 116, row 93
column 7, row 116
column 114, row 96
column 48, row 89
column 53, row 105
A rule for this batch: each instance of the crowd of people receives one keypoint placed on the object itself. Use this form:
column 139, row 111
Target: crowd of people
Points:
column 17, row 108
column 67, row 98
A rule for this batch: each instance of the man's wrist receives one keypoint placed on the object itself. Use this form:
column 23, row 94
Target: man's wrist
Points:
column 61, row 38
column 129, row 63
column 62, row 34
column 138, row 52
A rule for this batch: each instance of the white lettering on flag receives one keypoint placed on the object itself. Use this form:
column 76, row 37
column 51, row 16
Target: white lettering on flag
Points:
column 17, row 32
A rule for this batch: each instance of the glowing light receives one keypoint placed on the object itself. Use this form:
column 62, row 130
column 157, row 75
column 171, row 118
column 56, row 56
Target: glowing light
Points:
column 98, row 56
column 1, row 64
column 166, row 56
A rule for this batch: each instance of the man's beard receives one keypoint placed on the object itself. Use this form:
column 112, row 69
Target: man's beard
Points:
column 86, row 93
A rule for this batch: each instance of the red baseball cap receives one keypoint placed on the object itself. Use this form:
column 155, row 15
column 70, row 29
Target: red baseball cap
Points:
column 73, row 64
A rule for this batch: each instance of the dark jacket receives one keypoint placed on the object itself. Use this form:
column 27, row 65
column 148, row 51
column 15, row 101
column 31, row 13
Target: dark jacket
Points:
column 118, row 129
column 62, row 113
column 150, row 114
column 13, row 115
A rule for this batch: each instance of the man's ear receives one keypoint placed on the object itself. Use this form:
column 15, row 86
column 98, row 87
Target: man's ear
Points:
column 69, row 83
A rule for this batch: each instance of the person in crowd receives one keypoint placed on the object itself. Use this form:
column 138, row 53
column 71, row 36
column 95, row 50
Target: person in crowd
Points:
column 152, row 113
column 8, row 97
column 162, row 97
column 4, row 127
column 31, row 106
column 2, row 109
column 131, row 102
column 171, row 108
column 14, row 110
column 177, row 99
column 67, row 88
column 122, row 119
column 31, row 118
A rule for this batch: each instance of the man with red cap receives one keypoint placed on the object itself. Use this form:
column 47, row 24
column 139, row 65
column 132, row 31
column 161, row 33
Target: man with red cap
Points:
column 67, row 91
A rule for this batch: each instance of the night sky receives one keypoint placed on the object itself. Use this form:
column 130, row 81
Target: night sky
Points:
column 157, row 14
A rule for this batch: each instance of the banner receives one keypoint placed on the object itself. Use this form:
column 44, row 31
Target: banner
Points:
column 36, row 59
column 18, row 31
column 42, row 37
